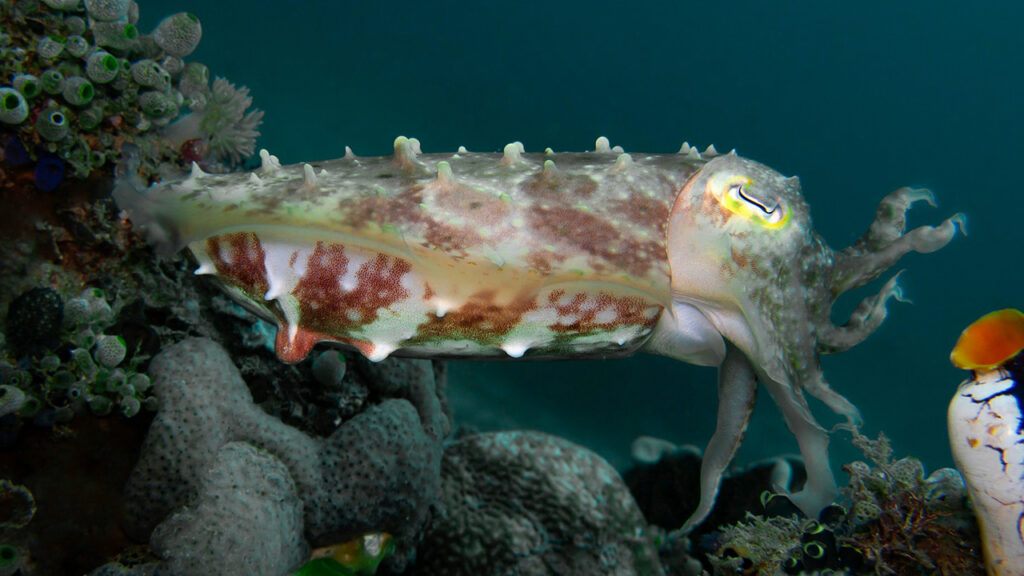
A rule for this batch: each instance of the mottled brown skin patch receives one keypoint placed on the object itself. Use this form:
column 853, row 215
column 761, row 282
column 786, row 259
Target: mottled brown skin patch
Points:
column 245, row 270
column 552, row 184
column 644, row 210
column 403, row 212
column 452, row 240
column 401, row 209
column 326, row 307
column 481, row 319
column 711, row 208
column 540, row 261
column 265, row 204
column 741, row 259
column 590, row 233
column 480, row 208
column 629, row 311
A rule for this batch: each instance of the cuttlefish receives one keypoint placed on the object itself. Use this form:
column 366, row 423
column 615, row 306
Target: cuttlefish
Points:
column 703, row 257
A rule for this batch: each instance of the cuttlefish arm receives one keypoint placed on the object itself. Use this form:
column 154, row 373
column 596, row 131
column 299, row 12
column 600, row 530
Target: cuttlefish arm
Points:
column 743, row 252
column 877, row 251
column 737, row 390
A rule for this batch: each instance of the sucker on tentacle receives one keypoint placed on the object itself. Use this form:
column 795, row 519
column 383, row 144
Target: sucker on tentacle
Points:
column 704, row 257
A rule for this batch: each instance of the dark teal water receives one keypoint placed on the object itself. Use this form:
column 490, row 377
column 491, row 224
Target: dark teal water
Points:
column 855, row 98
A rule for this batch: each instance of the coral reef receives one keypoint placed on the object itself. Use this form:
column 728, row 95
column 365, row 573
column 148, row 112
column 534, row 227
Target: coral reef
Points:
column 75, row 474
column 34, row 321
column 247, row 464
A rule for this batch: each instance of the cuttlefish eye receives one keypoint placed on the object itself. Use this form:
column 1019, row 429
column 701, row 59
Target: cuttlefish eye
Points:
column 739, row 196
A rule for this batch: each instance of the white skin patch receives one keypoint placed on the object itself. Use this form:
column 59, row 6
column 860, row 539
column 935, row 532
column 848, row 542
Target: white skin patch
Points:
column 285, row 265
column 206, row 265
column 515, row 349
column 349, row 281
column 381, row 351
column 620, row 336
column 441, row 306
column 543, row 316
column 566, row 299
column 224, row 253
column 606, row 316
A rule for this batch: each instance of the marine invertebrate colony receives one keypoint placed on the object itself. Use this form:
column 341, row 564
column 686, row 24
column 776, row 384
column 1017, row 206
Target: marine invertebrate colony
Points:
column 710, row 259
column 79, row 83
column 986, row 433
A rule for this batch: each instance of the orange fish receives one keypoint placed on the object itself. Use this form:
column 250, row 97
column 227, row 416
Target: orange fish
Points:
column 990, row 341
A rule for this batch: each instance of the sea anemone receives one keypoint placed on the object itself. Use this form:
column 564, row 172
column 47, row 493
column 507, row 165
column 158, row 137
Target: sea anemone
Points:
column 222, row 122
column 230, row 131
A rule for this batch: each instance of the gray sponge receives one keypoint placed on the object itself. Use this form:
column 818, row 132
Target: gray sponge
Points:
column 204, row 404
column 531, row 503
column 247, row 520
column 379, row 471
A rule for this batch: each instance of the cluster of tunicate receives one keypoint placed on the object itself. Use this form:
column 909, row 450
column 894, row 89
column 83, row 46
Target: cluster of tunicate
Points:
column 86, row 367
column 894, row 519
column 929, row 513
column 18, row 507
column 78, row 82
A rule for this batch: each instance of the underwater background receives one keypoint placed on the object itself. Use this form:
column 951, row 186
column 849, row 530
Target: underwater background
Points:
column 857, row 99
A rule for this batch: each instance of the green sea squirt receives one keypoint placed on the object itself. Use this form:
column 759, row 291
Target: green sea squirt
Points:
column 707, row 258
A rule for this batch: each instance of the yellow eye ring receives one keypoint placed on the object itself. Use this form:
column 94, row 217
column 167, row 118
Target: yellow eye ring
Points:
column 735, row 196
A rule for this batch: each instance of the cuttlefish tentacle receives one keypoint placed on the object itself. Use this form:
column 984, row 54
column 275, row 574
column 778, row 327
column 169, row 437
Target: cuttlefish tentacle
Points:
column 868, row 316
column 886, row 240
column 814, row 382
column 737, row 390
column 820, row 489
